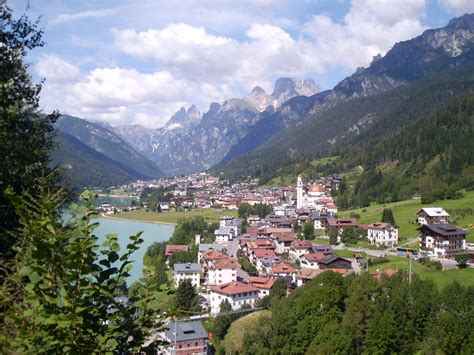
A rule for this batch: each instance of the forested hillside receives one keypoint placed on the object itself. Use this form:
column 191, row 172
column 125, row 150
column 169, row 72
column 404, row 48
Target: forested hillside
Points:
column 432, row 156
column 358, row 315
column 362, row 120
column 86, row 167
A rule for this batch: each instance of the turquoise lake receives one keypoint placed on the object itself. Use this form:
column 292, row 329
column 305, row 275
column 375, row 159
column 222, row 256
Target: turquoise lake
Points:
column 152, row 232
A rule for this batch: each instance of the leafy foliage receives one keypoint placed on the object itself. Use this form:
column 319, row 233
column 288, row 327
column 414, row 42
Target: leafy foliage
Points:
column 259, row 209
column 62, row 292
column 387, row 216
column 357, row 314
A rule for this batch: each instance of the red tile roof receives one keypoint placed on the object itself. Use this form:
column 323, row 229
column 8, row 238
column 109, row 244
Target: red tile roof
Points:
column 301, row 244
column 265, row 283
column 314, row 256
column 226, row 264
column 378, row 225
column 174, row 248
column 283, row 268
column 234, row 288
column 259, row 253
column 214, row 255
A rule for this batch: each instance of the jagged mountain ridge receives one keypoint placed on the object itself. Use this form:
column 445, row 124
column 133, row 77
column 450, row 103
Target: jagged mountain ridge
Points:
column 191, row 141
column 406, row 62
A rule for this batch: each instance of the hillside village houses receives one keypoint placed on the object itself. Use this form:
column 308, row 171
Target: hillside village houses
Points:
column 432, row 215
column 382, row 234
column 189, row 271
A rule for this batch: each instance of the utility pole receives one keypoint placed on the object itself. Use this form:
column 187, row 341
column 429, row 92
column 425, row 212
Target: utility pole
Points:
column 409, row 270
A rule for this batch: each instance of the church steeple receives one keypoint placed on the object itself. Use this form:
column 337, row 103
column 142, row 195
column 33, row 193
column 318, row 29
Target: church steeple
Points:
column 299, row 192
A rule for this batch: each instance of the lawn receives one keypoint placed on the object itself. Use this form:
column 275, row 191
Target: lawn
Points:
column 172, row 217
column 440, row 277
column 405, row 214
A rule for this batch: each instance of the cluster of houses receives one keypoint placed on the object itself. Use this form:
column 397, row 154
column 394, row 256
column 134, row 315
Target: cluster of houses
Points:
column 271, row 247
column 437, row 237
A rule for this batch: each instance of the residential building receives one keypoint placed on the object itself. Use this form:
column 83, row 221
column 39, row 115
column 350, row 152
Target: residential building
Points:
column 432, row 215
column 236, row 293
column 311, row 260
column 380, row 233
column 222, row 271
column 264, row 284
column 334, row 262
column 442, row 240
column 190, row 271
column 203, row 248
column 299, row 248
column 284, row 269
column 175, row 248
column 187, row 338
column 223, row 235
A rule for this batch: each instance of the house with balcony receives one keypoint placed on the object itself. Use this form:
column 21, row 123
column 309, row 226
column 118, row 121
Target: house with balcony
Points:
column 442, row 240
column 382, row 234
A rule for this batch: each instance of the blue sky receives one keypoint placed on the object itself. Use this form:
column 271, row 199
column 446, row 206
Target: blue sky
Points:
column 139, row 61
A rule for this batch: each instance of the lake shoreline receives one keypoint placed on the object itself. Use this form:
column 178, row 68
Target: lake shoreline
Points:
column 136, row 220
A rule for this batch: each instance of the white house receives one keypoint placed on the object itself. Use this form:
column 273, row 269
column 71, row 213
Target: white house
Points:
column 432, row 215
column 222, row 271
column 187, row 271
column 299, row 248
column 310, row 260
column 204, row 248
column 380, row 233
column 264, row 284
column 236, row 293
column 223, row 235
column 224, row 220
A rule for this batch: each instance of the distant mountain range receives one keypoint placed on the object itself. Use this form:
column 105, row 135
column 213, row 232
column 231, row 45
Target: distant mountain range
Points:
column 360, row 101
column 192, row 141
column 94, row 156
column 264, row 135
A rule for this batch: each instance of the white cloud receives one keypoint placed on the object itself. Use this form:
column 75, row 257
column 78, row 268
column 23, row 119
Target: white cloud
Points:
column 83, row 15
column 55, row 69
column 458, row 7
column 370, row 27
column 120, row 96
column 197, row 64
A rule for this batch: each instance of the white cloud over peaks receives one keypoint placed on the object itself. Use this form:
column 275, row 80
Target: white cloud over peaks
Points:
column 458, row 7
column 370, row 27
column 120, row 96
column 55, row 69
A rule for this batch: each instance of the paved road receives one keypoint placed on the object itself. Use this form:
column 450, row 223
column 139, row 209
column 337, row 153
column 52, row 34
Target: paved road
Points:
column 233, row 247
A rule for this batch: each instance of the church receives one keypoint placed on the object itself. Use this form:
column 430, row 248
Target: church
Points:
column 314, row 197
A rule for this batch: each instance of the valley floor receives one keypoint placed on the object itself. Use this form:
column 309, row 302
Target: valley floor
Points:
column 172, row 217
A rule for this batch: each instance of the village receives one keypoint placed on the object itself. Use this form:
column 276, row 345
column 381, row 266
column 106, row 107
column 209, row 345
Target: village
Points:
column 251, row 253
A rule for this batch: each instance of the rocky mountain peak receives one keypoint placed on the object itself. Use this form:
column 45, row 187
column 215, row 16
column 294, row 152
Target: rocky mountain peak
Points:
column 259, row 98
column 284, row 86
column 184, row 118
column 465, row 21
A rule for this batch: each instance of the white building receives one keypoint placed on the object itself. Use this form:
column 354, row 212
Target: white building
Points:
column 187, row 271
column 222, row 272
column 314, row 198
column 224, row 220
column 264, row 284
column 236, row 293
column 223, row 235
column 382, row 234
column 432, row 215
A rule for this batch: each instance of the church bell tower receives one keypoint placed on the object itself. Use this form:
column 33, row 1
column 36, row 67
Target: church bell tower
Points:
column 299, row 192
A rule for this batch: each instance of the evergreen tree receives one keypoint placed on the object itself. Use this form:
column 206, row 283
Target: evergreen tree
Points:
column 186, row 298
column 387, row 216
column 26, row 136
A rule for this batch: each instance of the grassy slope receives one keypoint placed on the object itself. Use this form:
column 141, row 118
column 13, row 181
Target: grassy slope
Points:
column 235, row 336
column 405, row 213
column 441, row 278
column 172, row 217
